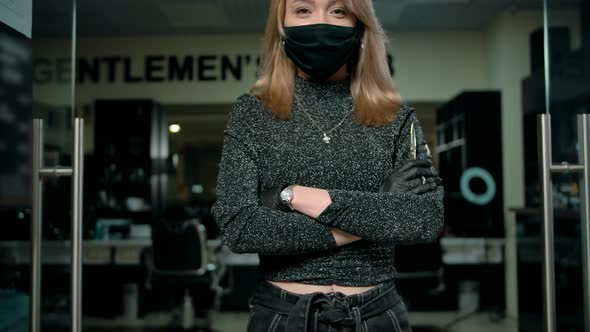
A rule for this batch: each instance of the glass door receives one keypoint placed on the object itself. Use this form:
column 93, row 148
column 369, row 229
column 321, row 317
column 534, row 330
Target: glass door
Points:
column 568, row 57
column 15, row 167
column 37, row 152
column 474, row 73
column 558, row 86
column 55, row 276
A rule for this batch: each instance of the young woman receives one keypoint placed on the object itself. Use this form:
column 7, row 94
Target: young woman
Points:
column 321, row 175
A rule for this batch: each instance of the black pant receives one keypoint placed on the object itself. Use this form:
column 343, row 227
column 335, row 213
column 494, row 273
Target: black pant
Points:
column 378, row 309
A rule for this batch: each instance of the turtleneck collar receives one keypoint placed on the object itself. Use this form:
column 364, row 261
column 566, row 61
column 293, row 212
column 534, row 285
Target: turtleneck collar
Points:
column 317, row 88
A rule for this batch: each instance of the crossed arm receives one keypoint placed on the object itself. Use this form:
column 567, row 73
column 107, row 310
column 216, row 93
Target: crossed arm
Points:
column 327, row 217
column 312, row 202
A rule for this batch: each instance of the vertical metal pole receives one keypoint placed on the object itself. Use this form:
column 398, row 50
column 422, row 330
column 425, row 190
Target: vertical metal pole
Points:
column 73, row 62
column 545, row 163
column 546, row 184
column 584, row 157
column 77, row 192
column 546, row 60
column 36, row 227
column 77, row 199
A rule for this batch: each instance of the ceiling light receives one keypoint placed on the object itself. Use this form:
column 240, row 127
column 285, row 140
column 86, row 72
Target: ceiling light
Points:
column 174, row 128
column 197, row 189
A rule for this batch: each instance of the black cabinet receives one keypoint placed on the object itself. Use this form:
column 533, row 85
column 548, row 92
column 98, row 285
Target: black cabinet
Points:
column 469, row 153
column 129, row 166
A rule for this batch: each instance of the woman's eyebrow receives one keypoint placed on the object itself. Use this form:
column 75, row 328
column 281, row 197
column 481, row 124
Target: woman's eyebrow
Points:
column 311, row 2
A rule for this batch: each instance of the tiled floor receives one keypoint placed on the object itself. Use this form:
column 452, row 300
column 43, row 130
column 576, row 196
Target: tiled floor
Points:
column 451, row 322
column 236, row 322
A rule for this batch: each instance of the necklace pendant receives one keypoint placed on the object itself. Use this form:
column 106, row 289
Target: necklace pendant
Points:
column 326, row 139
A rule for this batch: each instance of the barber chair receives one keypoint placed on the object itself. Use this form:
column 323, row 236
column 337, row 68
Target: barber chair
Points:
column 180, row 264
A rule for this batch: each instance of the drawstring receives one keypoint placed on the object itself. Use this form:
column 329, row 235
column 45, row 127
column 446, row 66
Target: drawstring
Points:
column 357, row 318
column 316, row 324
column 333, row 309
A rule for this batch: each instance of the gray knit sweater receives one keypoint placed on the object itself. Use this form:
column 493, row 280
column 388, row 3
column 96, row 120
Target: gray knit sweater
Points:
column 261, row 152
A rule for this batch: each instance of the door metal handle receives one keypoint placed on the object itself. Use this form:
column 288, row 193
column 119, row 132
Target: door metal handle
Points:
column 584, row 157
column 39, row 174
column 546, row 170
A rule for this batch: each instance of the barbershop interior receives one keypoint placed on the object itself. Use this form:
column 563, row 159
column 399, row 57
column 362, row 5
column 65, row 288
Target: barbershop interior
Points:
column 112, row 118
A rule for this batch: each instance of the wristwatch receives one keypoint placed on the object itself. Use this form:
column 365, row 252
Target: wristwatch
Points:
column 286, row 196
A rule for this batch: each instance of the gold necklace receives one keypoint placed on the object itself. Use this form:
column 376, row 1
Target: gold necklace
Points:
column 326, row 138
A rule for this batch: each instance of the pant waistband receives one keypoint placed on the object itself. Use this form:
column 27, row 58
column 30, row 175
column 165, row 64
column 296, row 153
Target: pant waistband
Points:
column 306, row 311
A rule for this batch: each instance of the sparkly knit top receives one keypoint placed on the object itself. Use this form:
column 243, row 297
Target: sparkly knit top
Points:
column 261, row 152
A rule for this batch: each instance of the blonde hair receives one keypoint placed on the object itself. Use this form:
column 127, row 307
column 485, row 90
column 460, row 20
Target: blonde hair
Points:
column 376, row 98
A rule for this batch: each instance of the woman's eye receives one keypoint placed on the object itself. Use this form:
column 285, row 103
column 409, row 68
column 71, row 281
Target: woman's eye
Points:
column 339, row 12
column 302, row 11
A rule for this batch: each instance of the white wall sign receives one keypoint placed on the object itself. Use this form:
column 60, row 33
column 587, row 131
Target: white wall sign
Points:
column 17, row 14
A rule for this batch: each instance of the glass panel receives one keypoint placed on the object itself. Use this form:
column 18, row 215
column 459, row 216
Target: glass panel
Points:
column 465, row 69
column 569, row 55
column 569, row 79
column 15, row 174
column 52, row 43
column 34, row 83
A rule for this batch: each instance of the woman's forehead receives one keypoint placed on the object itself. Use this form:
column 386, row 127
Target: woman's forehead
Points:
column 316, row 2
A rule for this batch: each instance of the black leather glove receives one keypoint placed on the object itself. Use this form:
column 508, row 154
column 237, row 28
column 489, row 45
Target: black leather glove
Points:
column 416, row 176
column 271, row 198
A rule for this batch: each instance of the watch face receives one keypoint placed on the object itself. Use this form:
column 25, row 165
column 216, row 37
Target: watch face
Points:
column 286, row 195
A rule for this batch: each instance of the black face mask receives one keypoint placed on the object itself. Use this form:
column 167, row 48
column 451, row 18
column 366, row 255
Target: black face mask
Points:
column 320, row 50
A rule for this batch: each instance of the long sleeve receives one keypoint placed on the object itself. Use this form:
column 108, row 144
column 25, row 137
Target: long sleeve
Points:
column 391, row 217
column 245, row 225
